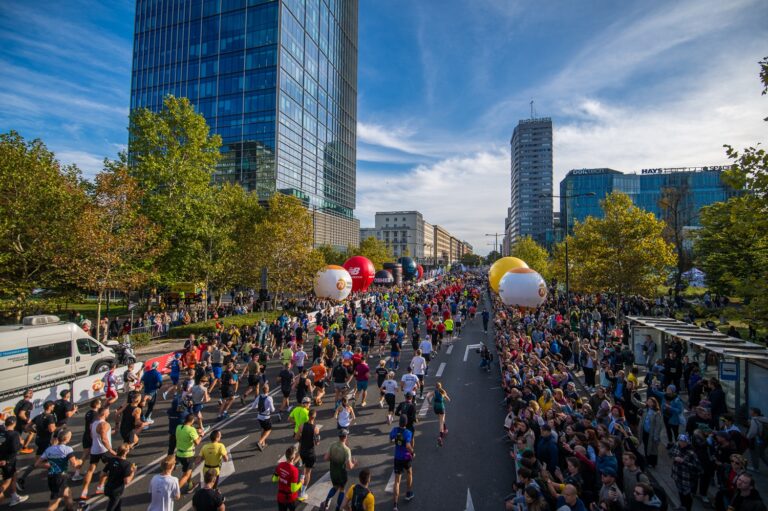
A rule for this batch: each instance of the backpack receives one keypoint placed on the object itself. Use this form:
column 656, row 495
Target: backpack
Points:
column 659, row 492
column 262, row 404
column 400, row 438
column 359, row 494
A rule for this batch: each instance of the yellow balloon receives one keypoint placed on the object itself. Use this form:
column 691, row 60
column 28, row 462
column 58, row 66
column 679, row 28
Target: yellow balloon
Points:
column 501, row 267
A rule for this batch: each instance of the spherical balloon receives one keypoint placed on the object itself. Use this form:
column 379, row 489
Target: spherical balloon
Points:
column 333, row 282
column 383, row 278
column 409, row 268
column 501, row 267
column 522, row 287
column 362, row 271
column 420, row 269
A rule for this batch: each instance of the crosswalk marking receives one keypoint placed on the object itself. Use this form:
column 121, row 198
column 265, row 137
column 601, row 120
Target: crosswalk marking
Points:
column 424, row 408
column 317, row 491
column 440, row 370
column 449, row 350
column 390, row 484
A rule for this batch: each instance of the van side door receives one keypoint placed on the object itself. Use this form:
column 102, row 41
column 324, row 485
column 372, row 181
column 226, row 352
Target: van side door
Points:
column 87, row 352
column 13, row 367
column 49, row 358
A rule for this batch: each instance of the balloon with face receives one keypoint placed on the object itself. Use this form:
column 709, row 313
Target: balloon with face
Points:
column 523, row 287
column 333, row 282
column 501, row 267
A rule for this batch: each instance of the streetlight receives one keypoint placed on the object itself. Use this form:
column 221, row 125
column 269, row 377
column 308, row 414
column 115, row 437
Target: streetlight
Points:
column 496, row 244
column 565, row 238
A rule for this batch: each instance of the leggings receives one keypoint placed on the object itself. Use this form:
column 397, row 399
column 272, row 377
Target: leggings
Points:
column 672, row 431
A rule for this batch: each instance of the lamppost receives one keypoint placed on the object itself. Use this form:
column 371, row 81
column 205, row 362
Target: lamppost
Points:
column 565, row 237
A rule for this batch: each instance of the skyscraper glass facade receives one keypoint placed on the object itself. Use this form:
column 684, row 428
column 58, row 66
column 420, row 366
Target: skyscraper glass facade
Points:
column 277, row 79
column 699, row 187
column 530, row 213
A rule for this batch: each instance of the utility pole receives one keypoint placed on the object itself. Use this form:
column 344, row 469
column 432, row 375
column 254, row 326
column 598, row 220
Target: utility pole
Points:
column 496, row 243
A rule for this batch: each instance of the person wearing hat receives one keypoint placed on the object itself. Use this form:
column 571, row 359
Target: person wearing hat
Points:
column 610, row 492
column 340, row 457
column 403, row 440
column 175, row 365
column 685, row 470
column 408, row 409
column 300, row 415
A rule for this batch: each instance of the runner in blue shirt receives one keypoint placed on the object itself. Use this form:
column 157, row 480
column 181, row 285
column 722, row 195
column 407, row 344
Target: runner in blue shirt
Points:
column 151, row 381
column 57, row 459
column 404, row 454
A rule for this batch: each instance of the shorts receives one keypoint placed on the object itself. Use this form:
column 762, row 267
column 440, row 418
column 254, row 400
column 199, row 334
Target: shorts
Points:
column 338, row 475
column 449, row 332
column 186, row 463
column 402, row 466
column 8, row 470
column 362, row 385
column 287, row 506
column 96, row 458
column 42, row 445
column 87, row 442
column 226, row 392
column 340, row 387
column 110, row 393
column 308, row 459
column 390, row 399
column 253, row 381
column 128, row 436
column 197, row 408
column 320, row 384
column 217, row 370
column 394, row 354
column 175, row 378
column 286, row 392
column 57, row 483
column 421, row 381
column 427, row 356
column 365, row 348
column 266, row 424
column 439, row 410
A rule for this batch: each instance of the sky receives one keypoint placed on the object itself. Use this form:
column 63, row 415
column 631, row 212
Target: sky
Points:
column 441, row 86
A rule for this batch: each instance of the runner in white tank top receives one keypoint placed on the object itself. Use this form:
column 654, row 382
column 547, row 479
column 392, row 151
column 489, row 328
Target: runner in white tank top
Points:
column 98, row 446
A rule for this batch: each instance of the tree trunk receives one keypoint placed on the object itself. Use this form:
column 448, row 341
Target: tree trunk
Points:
column 98, row 314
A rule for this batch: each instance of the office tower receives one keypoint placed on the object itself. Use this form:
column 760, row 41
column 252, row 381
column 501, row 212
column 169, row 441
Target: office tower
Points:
column 530, row 213
column 277, row 79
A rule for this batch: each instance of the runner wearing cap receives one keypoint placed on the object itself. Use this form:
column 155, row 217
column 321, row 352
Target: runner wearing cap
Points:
column 402, row 437
column 300, row 415
column 340, row 457
column 407, row 409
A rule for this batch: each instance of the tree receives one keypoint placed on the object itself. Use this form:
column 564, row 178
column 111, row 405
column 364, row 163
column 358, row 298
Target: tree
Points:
column 375, row 250
column 173, row 155
column 624, row 252
column 677, row 212
column 492, row 257
column 533, row 254
column 40, row 203
column 122, row 244
column 471, row 259
column 332, row 255
column 282, row 243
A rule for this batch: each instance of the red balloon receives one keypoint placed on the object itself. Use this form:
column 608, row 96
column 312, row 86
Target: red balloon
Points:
column 362, row 271
column 420, row 269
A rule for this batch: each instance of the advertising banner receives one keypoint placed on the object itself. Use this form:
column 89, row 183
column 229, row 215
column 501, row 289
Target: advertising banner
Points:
column 90, row 387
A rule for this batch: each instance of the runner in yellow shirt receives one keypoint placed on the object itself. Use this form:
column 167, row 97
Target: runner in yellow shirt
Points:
column 213, row 454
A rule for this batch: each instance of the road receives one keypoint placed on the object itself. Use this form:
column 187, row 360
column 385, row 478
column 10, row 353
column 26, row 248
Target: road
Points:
column 472, row 471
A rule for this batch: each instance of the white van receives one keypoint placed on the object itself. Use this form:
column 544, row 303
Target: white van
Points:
column 44, row 351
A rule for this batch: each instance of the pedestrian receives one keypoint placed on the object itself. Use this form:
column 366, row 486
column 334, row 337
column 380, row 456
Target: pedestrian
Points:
column 651, row 431
column 340, row 457
column 747, row 498
column 164, row 487
column 265, row 408
column 119, row 473
column 57, row 459
column 288, row 481
column 685, row 469
column 208, row 497
column 359, row 497
column 402, row 437
column 10, row 446
column 757, row 434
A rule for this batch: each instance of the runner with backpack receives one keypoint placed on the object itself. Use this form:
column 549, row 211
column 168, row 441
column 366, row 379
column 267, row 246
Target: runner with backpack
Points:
column 359, row 497
column 265, row 407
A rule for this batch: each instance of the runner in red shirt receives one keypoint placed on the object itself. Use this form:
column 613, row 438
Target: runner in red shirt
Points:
column 288, row 482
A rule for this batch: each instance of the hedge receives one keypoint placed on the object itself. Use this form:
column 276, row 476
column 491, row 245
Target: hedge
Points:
column 206, row 327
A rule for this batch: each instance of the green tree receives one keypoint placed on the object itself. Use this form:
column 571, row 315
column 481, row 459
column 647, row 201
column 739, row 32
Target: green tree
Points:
column 173, row 156
column 375, row 250
column 624, row 252
column 677, row 212
column 332, row 255
column 533, row 254
column 122, row 245
column 492, row 257
column 40, row 203
column 471, row 260
column 282, row 242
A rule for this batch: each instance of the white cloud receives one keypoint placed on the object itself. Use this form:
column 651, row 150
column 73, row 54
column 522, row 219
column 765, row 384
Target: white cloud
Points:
column 90, row 164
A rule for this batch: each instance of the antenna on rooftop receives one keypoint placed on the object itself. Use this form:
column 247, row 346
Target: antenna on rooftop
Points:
column 533, row 111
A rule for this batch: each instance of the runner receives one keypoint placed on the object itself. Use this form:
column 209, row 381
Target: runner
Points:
column 186, row 440
column 286, row 385
column 362, row 373
column 344, row 414
column 381, row 376
column 303, row 385
column 208, row 497
column 213, row 454
column 10, row 446
column 64, row 408
column 308, row 440
column 87, row 441
column 408, row 409
column 341, row 379
column 486, row 316
column 164, row 487
column 403, row 440
column 119, row 473
column 254, row 380
column 229, row 384
column 44, row 427
column 389, row 389
column 200, row 396
column 101, row 449
column 359, row 497
column 418, row 367
column 128, row 419
column 288, row 481
column 22, row 411
column 265, row 407
column 410, row 382
column 394, row 353
column 181, row 406
column 57, row 459
column 440, row 396
column 110, row 385
column 175, row 365
column 449, row 328
column 299, row 415
column 340, row 457
column 319, row 374
column 151, row 382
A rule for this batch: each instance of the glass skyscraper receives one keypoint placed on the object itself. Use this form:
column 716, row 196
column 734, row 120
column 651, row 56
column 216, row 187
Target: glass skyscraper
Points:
column 277, row 79
column 699, row 187
column 530, row 213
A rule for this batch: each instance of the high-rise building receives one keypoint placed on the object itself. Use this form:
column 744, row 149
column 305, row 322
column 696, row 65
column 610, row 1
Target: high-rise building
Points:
column 277, row 79
column 697, row 187
column 530, row 213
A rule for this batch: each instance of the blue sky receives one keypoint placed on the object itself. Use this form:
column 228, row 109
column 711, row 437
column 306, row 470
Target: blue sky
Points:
column 441, row 85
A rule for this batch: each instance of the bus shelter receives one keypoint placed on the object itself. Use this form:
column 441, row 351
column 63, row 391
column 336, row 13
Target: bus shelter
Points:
column 740, row 365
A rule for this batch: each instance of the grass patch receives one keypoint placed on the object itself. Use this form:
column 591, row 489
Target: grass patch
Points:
column 207, row 327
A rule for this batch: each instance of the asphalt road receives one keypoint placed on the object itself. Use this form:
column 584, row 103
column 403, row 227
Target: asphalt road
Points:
column 474, row 464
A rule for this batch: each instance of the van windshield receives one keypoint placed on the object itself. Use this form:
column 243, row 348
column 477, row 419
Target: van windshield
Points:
column 87, row 347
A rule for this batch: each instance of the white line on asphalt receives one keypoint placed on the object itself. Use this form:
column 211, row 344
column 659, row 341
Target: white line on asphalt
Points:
column 317, row 491
column 470, row 347
column 450, row 349
column 440, row 370
column 390, row 484
column 470, row 505
column 424, row 408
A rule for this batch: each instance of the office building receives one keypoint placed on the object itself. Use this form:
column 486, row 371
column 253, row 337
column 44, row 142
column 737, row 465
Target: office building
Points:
column 530, row 213
column 277, row 79
column 700, row 186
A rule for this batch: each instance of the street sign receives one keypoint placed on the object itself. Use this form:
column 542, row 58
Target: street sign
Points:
column 729, row 370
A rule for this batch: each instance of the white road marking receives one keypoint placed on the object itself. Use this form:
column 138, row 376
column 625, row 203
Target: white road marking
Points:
column 470, row 347
column 391, row 483
column 449, row 350
column 470, row 506
column 317, row 491
column 424, row 408
column 440, row 370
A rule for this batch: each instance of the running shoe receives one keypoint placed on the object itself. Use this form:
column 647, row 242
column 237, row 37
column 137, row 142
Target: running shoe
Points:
column 27, row 450
column 409, row 496
column 20, row 484
column 99, row 490
column 165, row 395
column 17, row 499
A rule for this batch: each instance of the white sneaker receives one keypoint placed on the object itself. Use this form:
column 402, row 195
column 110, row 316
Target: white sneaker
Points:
column 150, row 421
column 17, row 499
column 76, row 477
column 165, row 395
